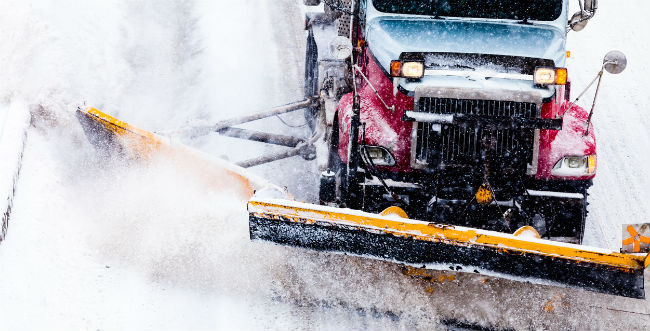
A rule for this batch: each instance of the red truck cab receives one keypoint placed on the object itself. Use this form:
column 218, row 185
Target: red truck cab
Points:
column 464, row 115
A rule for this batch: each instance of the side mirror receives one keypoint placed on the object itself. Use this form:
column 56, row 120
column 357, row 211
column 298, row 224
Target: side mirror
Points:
column 614, row 62
column 579, row 20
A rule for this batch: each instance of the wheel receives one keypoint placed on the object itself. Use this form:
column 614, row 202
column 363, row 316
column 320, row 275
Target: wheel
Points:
column 579, row 217
column 335, row 165
column 570, row 217
column 311, row 78
column 568, row 220
column 560, row 218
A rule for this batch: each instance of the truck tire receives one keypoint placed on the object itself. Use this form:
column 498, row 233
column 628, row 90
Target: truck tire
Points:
column 575, row 217
column 579, row 217
column 565, row 218
column 311, row 78
column 334, row 164
column 570, row 220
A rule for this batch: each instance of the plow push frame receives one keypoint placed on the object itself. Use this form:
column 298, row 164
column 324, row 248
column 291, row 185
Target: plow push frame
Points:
column 298, row 146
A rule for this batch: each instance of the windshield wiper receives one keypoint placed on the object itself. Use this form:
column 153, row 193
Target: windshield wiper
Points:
column 435, row 15
column 525, row 21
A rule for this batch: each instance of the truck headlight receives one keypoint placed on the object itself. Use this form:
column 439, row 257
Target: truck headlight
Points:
column 550, row 76
column 413, row 69
column 407, row 69
column 379, row 155
column 575, row 166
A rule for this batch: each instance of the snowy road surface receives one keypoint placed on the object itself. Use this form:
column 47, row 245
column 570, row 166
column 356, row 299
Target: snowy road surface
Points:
column 97, row 243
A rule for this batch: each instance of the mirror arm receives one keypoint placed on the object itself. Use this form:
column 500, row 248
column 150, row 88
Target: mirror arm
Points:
column 614, row 62
column 589, row 10
column 593, row 104
column 585, row 90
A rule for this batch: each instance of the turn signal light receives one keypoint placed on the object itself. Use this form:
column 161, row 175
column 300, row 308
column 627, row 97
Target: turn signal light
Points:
column 395, row 68
column 560, row 76
column 591, row 164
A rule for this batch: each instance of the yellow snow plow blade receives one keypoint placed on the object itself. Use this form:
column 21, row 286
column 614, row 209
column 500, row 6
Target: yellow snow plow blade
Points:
column 436, row 246
column 416, row 243
column 106, row 131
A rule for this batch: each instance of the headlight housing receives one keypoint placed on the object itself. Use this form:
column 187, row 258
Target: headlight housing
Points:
column 407, row 69
column 550, row 76
column 412, row 69
column 379, row 155
column 575, row 166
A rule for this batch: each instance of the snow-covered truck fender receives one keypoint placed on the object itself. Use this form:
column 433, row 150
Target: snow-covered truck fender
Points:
column 384, row 127
column 570, row 141
column 381, row 128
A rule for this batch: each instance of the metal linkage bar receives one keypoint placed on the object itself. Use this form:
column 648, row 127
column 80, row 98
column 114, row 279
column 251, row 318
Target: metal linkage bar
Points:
column 205, row 129
column 264, row 137
column 270, row 157
column 306, row 149
column 298, row 146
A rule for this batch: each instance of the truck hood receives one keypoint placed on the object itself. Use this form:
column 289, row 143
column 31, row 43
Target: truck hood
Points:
column 388, row 37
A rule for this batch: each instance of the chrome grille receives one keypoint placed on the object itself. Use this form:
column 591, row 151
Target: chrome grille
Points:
column 455, row 145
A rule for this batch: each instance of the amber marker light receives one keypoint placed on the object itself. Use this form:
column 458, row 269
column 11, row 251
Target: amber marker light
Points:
column 591, row 164
column 395, row 68
column 560, row 76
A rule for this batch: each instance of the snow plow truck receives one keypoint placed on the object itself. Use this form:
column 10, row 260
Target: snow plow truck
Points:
column 447, row 139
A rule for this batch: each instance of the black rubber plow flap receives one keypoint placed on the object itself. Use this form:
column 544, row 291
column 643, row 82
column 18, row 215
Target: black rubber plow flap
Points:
column 436, row 246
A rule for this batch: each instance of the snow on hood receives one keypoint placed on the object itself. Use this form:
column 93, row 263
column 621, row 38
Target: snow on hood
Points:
column 388, row 37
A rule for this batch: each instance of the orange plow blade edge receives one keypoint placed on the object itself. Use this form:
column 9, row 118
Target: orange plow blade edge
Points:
column 416, row 243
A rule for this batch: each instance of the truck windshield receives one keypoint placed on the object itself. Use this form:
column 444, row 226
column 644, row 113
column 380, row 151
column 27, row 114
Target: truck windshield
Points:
column 537, row 10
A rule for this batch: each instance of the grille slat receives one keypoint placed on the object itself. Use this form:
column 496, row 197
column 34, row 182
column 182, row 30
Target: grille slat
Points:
column 463, row 145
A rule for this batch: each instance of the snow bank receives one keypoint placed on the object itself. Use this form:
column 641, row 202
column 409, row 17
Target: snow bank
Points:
column 14, row 121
